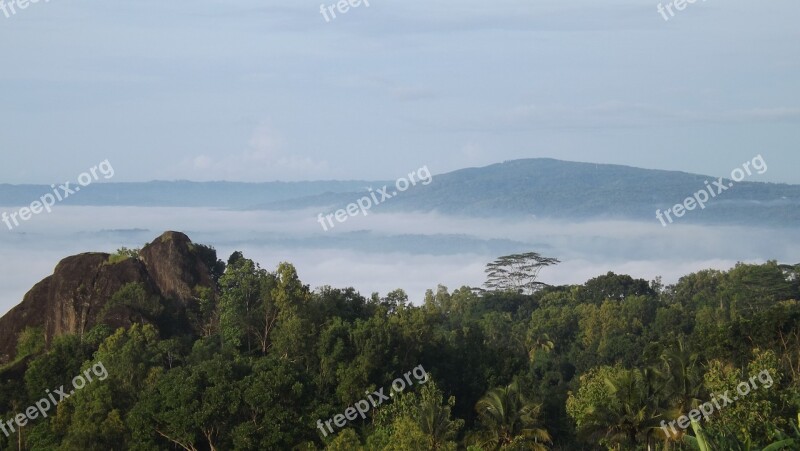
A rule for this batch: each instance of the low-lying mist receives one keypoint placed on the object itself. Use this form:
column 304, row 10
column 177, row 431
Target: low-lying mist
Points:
column 382, row 252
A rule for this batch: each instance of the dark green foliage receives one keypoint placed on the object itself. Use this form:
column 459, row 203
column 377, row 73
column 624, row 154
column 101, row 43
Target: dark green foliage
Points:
column 31, row 342
column 140, row 304
column 595, row 366
column 208, row 255
column 613, row 287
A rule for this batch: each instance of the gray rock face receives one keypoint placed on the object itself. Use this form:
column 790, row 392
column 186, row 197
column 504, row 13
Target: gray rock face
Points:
column 70, row 300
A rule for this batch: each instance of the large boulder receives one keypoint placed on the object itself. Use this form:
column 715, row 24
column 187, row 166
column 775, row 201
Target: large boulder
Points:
column 71, row 299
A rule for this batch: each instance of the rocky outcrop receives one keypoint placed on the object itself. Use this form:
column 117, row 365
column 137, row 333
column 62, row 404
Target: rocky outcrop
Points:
column 174, row 266
column 71, row 300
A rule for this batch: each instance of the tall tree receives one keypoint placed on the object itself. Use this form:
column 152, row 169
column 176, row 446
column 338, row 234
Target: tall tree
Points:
column 248, row 306
column 517, row 272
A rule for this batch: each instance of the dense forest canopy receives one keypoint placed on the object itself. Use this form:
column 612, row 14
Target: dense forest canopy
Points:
column 604, row 365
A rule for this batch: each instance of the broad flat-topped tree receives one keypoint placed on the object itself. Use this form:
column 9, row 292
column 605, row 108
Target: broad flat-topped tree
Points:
column 517, row 272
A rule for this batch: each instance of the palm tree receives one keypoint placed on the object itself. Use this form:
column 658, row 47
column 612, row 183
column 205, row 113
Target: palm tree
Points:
column 683, row 388
column 634, row 417
column 510, row 420
column 435, row 420
column 542, row 343
column 728, row 441
column 684, row 377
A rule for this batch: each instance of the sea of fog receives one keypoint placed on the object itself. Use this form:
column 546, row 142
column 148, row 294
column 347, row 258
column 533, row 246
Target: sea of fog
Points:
column 382, row 252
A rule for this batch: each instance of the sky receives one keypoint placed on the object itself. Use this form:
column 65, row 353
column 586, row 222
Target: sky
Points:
column 266, row 90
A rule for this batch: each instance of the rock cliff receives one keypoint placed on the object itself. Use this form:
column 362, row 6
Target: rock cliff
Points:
column 71, row 300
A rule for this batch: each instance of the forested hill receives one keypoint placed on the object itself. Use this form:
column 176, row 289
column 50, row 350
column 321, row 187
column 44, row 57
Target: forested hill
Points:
column 549, row 188
column 540, row 187
column 262, row 362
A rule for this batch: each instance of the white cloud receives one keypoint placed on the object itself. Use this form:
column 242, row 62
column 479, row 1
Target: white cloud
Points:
column 202, row 162
column 265, row 157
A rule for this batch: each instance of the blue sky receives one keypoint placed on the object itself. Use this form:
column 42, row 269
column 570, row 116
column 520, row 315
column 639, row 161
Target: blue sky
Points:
column 257, row 91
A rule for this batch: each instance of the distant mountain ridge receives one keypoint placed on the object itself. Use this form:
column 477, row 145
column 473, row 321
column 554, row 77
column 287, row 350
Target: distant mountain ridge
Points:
column 179, row 193
column 540, row 187
column 558, row 189
column 549, row 188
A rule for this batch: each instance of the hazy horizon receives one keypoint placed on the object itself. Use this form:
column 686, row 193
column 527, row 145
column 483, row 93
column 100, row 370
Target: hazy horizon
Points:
column 589, row 249
column 720, row 169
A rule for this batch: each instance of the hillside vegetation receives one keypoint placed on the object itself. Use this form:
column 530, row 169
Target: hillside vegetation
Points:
column 592, row 366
